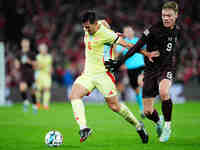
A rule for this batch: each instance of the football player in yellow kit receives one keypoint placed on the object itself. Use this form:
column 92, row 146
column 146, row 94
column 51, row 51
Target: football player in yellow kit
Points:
column 43, row 75
column 95, row 75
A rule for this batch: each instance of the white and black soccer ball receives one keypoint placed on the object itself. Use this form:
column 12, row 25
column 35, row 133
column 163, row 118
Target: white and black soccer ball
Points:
column 53, row 139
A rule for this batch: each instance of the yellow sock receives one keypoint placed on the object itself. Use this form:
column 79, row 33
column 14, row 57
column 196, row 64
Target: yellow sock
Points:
column 38, row 96
column 79, row 112
column 46, row 98
column 128, row 116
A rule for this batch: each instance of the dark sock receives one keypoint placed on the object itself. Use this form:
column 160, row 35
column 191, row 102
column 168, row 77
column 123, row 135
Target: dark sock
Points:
column 167, row 109
column 24, row 95
column 33, row 98
column 154, row 116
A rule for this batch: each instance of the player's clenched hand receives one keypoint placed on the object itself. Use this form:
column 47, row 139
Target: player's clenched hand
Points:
column 153, row 54
column 112, row 65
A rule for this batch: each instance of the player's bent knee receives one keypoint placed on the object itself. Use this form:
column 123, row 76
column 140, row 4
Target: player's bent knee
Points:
column 74, row 95
column 78, row 92
column 71, row 96
column 113, row 103
column 164, row 94
column 148, row 111
column 114, row 107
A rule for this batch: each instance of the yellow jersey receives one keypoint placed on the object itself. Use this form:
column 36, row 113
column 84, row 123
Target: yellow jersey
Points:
column 44, row 63
column 94, row 49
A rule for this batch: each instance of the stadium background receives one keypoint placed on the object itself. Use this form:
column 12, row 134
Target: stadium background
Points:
column 56, row 23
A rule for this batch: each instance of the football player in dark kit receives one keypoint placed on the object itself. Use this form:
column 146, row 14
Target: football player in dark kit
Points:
column 25, row 61
column 159, row 71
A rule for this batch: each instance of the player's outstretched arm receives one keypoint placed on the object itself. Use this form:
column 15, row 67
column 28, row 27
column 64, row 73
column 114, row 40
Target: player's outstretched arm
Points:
column 113, row 65
column 137, row 48
column 124, row 43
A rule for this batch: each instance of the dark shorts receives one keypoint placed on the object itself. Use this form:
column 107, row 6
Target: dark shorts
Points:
column 152, row 80
column 133, row 76
column 28, row 78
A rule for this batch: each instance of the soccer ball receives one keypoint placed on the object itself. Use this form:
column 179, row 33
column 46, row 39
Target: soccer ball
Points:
column 53, row 139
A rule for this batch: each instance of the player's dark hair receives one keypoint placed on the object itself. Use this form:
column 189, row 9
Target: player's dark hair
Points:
column 90, row 16
column 26, row 38
column 32, row 42
column 171, row 5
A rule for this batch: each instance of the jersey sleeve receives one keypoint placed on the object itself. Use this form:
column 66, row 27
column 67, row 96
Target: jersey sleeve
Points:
column 147, row 34
column 110, row 37
column 143, row 48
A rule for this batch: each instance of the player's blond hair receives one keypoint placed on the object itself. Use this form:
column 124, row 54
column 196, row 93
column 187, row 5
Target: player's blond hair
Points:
column 171, row 5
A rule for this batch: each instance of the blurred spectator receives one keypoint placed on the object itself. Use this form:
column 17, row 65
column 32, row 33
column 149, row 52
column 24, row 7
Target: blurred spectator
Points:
column 69, row 77
column 198, row 69
column 2, row 26
column 58, row 75
column 56, row 23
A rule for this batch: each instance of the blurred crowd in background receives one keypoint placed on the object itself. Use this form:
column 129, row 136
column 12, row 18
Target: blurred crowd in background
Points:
column 56, row 22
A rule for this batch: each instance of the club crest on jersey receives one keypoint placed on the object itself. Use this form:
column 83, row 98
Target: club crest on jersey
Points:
column 146, row 32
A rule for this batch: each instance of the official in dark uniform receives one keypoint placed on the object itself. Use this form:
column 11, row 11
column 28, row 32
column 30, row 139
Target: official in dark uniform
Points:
column 25, row 60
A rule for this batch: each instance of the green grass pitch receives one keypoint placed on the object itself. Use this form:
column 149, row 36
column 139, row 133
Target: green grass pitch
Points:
column 26, row 131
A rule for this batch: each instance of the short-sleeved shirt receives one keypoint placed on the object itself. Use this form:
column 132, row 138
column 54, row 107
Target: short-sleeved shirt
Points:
column 45, row 63
column 94, row 49
column 25, row 67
